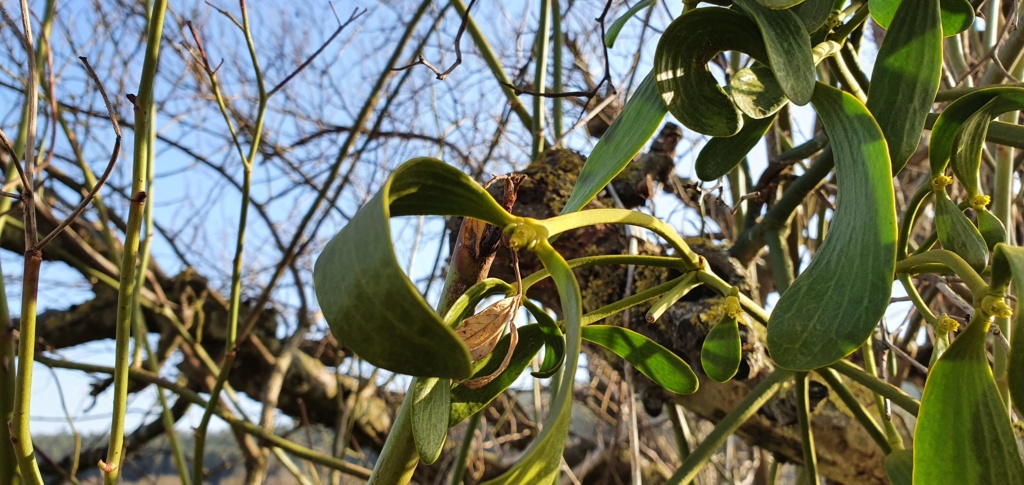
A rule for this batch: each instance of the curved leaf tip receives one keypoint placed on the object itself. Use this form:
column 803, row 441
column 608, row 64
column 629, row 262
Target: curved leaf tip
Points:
column 370, row 304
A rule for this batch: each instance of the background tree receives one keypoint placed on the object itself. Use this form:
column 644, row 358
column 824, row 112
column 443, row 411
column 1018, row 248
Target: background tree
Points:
column 266, row 128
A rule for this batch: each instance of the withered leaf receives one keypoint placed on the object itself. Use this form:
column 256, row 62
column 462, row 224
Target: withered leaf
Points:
column 481, row 332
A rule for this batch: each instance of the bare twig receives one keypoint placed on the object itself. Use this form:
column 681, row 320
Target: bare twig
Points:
column 341, row 26
column 994, row 51
column 106, row 173
column 458, row 51
column 566, row 94
column 607, row 79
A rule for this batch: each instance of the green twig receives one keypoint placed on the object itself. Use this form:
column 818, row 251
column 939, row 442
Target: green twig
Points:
column 493, row 63
column 558, row 110
column 855, row 407
column 910, row 212
column 858, row 375
column 915, row 298
column 236, row 269
column 778, row 256
column 803, row 414
column 459, row 469
column 947, row 259
column 299, row 238
column 541, row 45
column 680, row 430
column 758, row 396
column 891, row 433
column 143, row 102
column 19, row 425
column 752, row 239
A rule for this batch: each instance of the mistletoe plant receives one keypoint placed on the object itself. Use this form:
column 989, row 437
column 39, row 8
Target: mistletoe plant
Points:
column 462, row 359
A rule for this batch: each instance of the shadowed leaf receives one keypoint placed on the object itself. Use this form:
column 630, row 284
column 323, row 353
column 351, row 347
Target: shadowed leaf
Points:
column 430, row 408
column 722, row 154
column 1007, row 263
column 949, row 122
column 720, row 356
column 788, row 46
column 680, row 67
column 366, row 298
column 958, row 234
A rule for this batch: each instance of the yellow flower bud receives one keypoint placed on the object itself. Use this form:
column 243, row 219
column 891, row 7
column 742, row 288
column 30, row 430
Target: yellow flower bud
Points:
column 995, row 306
column 979, row 201
column 946, row 325
column 940, row 182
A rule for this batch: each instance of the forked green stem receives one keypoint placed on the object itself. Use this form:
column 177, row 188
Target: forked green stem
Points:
column 897, row 396
column 855, row 407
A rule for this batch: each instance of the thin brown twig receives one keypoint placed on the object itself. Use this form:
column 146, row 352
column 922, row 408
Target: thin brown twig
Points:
column 52, row 93
column 994, row 51
column 341, row 26
column 13, row 24
column 106, row 173
column 564, row 94
column 606, row 79
column 226, row 14
column 14, row 158
column 420, row 60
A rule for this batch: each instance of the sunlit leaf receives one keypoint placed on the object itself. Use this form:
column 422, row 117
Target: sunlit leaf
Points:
column 623, row 140
column 722, row 351
column 957, row 15
column 430, row 409
column 367, row 299
column 541, row 461
column 906, row 77
column 963, row 432
column 722, row 154
column 613, row 30
column 756, row 93
column 646, row 355
column 957, row 233
column 816, row 321
column 788, row 46
column 686, row 284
